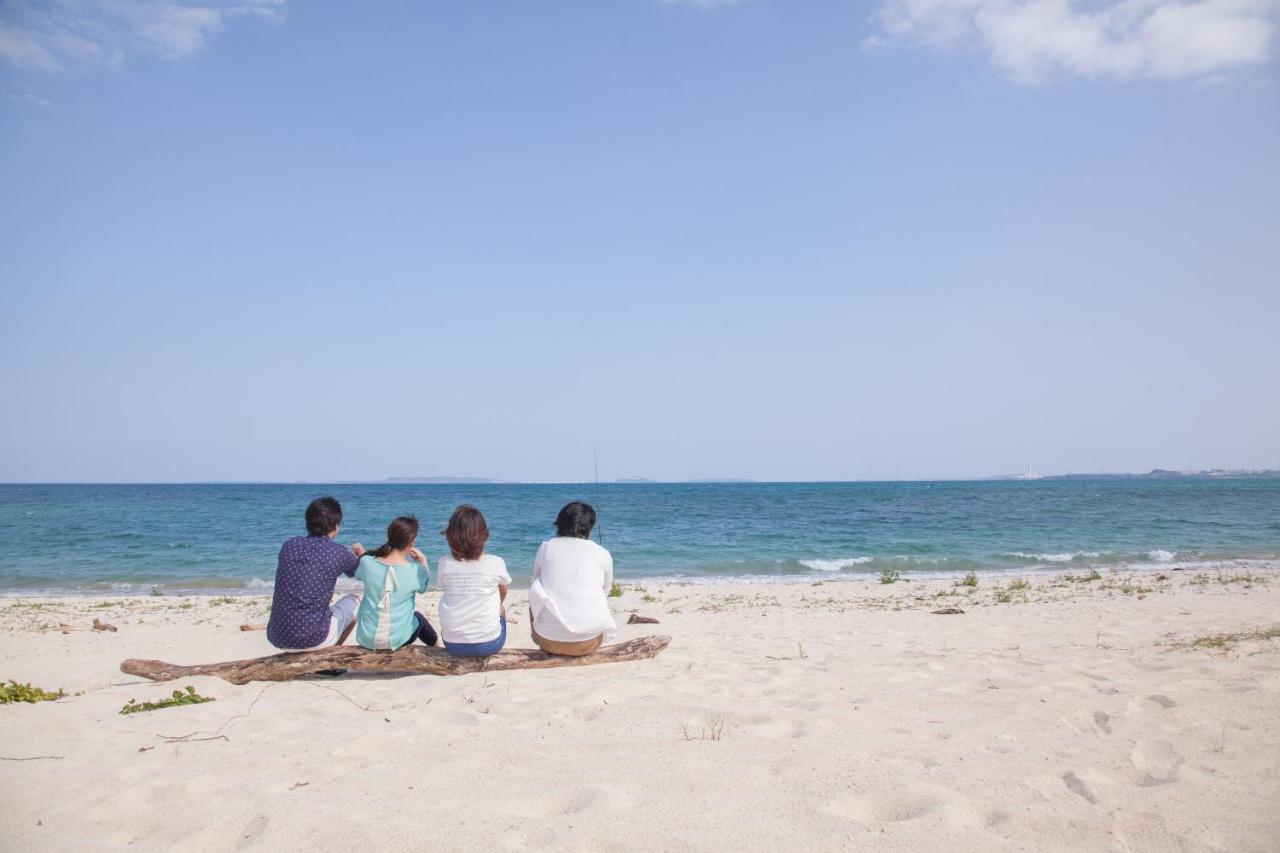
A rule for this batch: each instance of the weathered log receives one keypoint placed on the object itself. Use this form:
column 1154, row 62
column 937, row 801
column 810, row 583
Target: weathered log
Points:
column 637, row 619
column 254, row 626
column 415, row 658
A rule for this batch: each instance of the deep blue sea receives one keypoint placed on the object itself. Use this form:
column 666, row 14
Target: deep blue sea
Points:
column 206, row 538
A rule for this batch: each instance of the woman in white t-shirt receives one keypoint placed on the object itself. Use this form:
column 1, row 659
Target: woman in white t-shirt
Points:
column 568, row 598
column 473, row 621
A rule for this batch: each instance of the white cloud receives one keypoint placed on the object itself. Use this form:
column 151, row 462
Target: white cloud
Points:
column 62, row 34
column 1035, row 40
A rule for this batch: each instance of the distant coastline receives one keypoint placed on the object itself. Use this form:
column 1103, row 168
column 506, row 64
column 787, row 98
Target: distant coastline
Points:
column 1154, row 474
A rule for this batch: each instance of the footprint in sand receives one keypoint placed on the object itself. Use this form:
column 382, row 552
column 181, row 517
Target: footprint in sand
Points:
column 906, row 805
column 1157, row 762
column 1076, row 785
column 1103, row 721
column 252, row 832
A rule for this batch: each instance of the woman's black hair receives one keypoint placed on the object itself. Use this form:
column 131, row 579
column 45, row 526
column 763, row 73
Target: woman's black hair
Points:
column 576, row 519
column 400, row 535
column 323, row 516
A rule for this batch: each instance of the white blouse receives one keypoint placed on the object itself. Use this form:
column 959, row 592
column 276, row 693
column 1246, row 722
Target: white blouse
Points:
column 568, row 599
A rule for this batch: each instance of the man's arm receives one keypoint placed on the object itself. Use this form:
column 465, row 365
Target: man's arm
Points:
column 350, row 559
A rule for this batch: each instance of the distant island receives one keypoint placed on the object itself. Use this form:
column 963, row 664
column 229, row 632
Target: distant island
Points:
column 452, row 481
column 1155, row 474
column 680, row 482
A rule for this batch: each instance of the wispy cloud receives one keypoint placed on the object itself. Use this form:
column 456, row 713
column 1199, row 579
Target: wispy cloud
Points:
column 69, row 34
column 1037, row 40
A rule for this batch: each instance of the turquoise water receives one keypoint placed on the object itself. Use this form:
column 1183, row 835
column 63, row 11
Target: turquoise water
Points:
column 128, row 538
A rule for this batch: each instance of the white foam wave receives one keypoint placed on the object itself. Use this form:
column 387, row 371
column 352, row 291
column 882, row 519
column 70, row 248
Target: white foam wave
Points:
column 1161, row 556
column 258, row 583
column 1064, row 557
column 835, row 565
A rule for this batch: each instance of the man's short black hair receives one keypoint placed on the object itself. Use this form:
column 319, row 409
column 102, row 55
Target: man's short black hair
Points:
column 576, row 519
column 323, row 516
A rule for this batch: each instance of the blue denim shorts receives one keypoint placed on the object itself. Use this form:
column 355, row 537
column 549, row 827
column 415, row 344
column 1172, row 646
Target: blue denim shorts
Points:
column 479, row 650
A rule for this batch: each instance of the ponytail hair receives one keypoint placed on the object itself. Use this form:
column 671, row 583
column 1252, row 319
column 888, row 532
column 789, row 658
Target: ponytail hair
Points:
column 400, row 535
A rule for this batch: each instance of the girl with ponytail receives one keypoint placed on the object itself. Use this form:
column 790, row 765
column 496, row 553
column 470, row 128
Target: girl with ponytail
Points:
column 393, row 574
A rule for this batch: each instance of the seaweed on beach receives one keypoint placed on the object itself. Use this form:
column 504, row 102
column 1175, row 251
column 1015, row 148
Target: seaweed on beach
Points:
column 15, row 692
column 191, row 697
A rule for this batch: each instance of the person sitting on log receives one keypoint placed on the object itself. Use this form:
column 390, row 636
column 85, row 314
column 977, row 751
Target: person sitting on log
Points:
column 306, row 574
column 568, row 598
column 387, row 619
column 472, row 619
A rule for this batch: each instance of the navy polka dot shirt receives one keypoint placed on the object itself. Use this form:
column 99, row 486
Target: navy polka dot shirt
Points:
column 306, row 573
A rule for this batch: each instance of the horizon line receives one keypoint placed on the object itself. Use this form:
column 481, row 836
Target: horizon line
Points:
column 1156, row 473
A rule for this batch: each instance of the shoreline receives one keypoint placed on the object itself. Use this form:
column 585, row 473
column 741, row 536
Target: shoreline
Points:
column 259, row 587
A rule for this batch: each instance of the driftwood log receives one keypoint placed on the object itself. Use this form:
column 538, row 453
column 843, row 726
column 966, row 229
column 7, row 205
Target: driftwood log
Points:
column 415, row 658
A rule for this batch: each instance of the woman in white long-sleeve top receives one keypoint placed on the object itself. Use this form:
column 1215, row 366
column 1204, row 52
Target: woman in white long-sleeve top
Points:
column 569, row 595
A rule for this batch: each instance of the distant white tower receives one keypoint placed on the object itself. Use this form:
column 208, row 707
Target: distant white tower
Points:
column 1030, row 475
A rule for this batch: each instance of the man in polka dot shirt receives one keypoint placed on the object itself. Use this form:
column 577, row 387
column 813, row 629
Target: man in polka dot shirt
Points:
column 306, row 574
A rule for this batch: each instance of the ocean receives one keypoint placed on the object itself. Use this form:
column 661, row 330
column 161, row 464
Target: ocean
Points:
column 72, row 539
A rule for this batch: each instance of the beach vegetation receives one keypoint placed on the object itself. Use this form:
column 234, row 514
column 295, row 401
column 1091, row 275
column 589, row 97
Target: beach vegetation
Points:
column 220, row 600
column 615, row 591
column 890, row 575
column 712, row 731
column 1246, row 578
column 105, row 605
column 1224, row 642
column 155, row 590
column 1017, row 587
column 1200, row 579
column 649, row 598
column 190, row 697
column 970, row 579
column 14, row 692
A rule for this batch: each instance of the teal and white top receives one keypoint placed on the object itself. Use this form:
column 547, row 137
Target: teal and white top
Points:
column 385, row 619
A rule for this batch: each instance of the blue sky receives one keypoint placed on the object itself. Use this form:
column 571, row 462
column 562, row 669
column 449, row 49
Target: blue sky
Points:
column 775, row 240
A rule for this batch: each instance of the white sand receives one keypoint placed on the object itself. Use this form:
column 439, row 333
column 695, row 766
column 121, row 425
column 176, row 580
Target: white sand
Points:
column 1066, row 722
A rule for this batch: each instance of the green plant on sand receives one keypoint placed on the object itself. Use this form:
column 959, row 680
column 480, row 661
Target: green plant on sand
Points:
column 15, row 692
column 890, row 576
column 191, row 697
column 970, row 579
column 615, row 591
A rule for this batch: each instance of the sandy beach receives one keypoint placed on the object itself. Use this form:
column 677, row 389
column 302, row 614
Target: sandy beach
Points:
column 1129, row 713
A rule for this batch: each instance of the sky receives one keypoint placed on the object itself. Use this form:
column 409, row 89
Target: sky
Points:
column 767, row 239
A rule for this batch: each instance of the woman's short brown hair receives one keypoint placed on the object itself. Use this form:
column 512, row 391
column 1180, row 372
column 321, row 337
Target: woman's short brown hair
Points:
column 466, row 533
